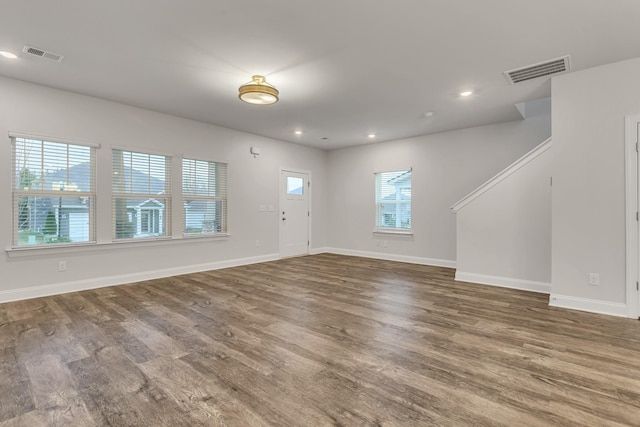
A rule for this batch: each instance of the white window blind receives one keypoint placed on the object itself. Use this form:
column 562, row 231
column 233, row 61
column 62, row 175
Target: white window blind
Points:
column 141, row 195
column 393, row 201
column 204, row 191
column 53, row 192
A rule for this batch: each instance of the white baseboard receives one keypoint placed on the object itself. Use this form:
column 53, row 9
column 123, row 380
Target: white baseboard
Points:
column 394, row 257
column 562, row 301
column 316, row 251
column 504, row 282
column 101, row 282
column 590, row 305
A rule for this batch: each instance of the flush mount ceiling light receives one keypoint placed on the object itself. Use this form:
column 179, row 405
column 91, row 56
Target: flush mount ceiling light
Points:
column 258, row 91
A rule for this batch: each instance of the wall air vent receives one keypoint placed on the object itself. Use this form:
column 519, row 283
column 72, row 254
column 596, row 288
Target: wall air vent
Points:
column 546, row 68
column 41, row 53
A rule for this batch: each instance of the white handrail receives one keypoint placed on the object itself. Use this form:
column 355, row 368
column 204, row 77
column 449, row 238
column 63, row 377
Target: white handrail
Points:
column 502, row 175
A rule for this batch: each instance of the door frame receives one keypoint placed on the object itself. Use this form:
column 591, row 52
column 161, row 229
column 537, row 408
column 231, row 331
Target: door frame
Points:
column 632, row 207
column 309, row 207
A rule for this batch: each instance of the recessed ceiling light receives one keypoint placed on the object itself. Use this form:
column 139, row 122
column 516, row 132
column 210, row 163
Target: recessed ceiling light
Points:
column 466, row 93
column 372, row 135
column 298, row 132
column 428, row 114
column 8, row 54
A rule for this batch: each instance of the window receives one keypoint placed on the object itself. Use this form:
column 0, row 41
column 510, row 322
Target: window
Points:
column 295, row 185
column 141, row 195
column 393, row 201
column 53, row 192
column 204, row 190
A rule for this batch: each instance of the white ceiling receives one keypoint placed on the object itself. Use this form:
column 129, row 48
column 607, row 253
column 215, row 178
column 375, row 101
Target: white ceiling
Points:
column 344, row 68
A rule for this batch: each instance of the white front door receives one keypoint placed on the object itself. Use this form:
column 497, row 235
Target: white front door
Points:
column 294, row 213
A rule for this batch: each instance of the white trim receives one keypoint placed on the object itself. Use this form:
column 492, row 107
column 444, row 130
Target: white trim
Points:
column 27, row 251
column 393, row 232
column 590, row 305
column 632, row 235
column 502, row 175
column 51, row 139
column 504, row 282
column 395, row 170
column 317, row 251
column 139, row 150
column 187, row 156
column 394, row 257
column 81, row 285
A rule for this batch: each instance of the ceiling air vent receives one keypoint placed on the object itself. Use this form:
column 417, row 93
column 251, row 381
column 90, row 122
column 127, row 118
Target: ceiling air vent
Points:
column 43, row 53
column 546, row 68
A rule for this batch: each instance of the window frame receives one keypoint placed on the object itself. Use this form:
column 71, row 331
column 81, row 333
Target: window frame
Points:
column 17, row 193
column 145, row 197
column 102, row 196
column 220, row 184
column 379, row 196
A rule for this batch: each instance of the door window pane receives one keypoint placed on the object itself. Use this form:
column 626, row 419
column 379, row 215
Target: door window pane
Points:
column 295, row 185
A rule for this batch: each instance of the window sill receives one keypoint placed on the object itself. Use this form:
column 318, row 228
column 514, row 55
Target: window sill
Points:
column 394, row 232
column 107, row 246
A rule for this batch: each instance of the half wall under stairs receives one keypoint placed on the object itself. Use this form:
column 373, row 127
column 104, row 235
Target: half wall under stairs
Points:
column 504, row 226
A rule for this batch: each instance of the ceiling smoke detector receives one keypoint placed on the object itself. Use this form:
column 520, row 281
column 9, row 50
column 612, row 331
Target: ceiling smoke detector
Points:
column 41, row 53
column 546, row 68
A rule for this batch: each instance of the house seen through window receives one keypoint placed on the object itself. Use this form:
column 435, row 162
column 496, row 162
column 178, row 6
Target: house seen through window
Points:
column 393, row 201
column 141, row 195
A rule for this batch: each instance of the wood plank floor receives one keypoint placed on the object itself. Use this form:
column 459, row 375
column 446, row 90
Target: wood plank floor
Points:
column 323, row 340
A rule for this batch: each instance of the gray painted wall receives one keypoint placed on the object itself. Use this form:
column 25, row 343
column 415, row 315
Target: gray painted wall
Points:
column 504, row 235
column 446, row 167
column 588, row 219
column 38, row 110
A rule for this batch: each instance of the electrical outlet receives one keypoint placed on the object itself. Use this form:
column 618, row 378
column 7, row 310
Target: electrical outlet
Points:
column 62, row 266
column 594, row 279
